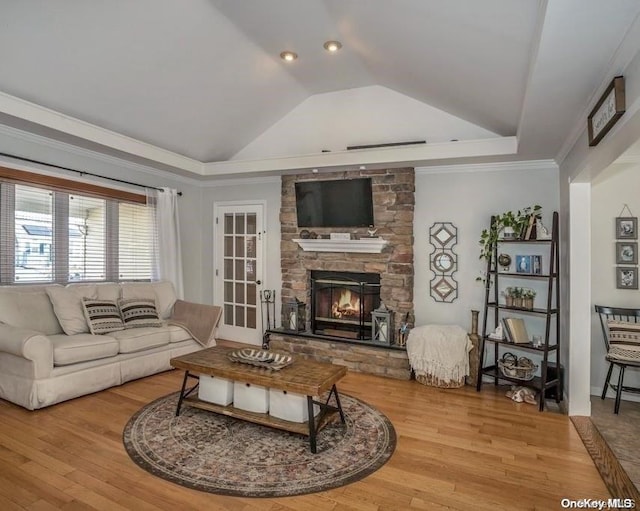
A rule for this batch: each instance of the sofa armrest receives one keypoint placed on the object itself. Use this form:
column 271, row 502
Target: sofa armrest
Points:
column 199, row 319
column 28, row 344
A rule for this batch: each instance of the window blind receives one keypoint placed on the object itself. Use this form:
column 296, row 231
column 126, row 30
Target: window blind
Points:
column 64, row 236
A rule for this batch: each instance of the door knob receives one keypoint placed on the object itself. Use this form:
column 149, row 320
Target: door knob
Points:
column 258, row 282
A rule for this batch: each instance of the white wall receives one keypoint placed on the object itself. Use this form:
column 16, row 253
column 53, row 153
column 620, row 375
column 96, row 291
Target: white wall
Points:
column 614, row 188
column 467, row 196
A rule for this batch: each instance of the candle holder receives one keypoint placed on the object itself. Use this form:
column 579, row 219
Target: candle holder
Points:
column 294, row 316
column 382, row 325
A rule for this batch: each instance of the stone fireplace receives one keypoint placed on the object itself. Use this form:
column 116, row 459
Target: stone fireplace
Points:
column 341, row 337
column 342, row 303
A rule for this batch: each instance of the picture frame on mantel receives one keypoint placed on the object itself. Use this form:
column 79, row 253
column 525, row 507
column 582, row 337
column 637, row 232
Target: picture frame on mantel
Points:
column 607, row 111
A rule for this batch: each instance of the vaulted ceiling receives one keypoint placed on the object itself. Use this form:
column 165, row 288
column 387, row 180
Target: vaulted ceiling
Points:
column 198, row 87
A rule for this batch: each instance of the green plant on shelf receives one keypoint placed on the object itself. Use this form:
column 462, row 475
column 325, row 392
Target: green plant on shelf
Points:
column 507, row 221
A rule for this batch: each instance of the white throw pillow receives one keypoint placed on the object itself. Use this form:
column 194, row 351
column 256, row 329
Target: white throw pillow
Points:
column 68, row 306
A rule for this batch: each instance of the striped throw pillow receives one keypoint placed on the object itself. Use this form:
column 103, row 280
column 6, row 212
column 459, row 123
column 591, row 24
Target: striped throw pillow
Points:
column 102, row 316
column 139, row 312
column 624, row 332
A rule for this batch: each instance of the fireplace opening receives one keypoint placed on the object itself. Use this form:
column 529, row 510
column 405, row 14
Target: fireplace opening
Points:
column 342, row 302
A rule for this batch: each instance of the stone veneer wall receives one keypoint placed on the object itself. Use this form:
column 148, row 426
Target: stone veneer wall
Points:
column 393, row 206
column 358, row 358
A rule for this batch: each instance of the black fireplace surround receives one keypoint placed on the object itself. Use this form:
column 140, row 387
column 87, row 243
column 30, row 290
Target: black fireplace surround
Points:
column 342, row 302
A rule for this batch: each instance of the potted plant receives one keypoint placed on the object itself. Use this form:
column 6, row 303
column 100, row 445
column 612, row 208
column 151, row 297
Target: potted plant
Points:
column 508, row 296
column 528, row 297
column 508, row 225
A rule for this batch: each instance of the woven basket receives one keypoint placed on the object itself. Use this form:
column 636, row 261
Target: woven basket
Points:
column 519, row 368
column 431, row 381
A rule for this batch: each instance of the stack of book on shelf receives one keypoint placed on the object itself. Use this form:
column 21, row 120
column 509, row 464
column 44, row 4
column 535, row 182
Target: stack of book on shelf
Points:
column 529, row 231
column 516, row 330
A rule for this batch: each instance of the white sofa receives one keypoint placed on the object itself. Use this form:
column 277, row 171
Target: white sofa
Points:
column 41, row 365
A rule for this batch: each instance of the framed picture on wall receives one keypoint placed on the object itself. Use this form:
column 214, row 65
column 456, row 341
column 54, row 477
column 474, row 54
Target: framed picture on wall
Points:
column 627, row 252
column 626, row 277
column 627, row 228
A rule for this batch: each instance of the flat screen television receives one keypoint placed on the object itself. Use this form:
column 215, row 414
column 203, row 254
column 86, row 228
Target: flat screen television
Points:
column 338, row 203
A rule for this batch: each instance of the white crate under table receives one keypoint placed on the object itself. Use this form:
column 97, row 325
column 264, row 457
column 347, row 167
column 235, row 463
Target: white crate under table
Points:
column 306, row 377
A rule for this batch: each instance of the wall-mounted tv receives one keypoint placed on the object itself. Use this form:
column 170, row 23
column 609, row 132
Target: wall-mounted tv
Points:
column 339, row 203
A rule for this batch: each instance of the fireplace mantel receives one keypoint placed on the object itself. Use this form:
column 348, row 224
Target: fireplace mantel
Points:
column 368, row 245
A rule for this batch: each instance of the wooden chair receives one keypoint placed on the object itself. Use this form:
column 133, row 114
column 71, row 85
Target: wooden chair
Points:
column 621, row 333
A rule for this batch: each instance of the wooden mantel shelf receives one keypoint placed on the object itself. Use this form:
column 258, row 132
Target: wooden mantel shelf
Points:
column 367, row 245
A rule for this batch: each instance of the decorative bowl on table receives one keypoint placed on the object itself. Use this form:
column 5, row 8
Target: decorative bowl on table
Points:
column 261, row 358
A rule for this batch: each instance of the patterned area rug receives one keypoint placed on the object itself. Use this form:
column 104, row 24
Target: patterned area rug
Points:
column 223, row 455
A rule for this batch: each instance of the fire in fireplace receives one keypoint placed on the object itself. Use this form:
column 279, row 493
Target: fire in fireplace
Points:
column 342, row 302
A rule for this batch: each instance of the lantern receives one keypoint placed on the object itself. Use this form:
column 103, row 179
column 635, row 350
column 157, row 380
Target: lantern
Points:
column 382, row 325
column 294, row 316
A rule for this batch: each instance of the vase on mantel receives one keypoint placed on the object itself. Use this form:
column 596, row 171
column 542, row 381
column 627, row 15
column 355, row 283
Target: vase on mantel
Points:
column 474, row 359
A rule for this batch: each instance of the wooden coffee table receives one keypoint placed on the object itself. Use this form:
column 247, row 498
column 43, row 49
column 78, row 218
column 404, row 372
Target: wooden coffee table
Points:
column 305, row 377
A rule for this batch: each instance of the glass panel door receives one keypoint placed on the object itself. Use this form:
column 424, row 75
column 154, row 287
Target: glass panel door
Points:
column 237, row 271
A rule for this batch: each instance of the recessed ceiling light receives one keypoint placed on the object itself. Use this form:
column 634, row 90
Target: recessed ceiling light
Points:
column 332, row 46
column 315, row 171
column 289, row 56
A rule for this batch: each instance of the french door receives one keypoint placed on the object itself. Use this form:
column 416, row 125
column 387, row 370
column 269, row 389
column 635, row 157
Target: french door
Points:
column 238, row 268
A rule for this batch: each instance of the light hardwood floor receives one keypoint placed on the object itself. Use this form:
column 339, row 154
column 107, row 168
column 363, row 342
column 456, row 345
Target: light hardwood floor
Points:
column 457, row 449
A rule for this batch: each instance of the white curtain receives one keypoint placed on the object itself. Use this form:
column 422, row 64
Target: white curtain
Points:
column 168, row 260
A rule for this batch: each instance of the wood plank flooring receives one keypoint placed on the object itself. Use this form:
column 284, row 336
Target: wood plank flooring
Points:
column 457, row 450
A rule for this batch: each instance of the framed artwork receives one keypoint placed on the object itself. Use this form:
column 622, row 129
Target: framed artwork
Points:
column 627, row 252
column 536, row 264
column 626, row 277
column 627, row 228
column 523, row 264
column 607, row 111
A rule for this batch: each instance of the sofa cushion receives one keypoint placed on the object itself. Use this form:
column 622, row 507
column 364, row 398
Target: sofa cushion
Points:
column 28, row 309
column 72, row 349
column 67, row 305
column 139, row 312
column 140, row 339
column 162, row 292
column 177, row 333
column 103, row 316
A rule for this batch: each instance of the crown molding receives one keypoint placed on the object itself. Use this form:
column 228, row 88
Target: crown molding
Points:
column 503, row 166
column 215, row 183
column 67, row 148
column 48, row 118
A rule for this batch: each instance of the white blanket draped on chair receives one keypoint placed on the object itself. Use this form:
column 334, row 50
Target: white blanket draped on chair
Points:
column 441, row 351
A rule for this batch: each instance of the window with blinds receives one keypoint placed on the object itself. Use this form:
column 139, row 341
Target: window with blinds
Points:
column 57, row 236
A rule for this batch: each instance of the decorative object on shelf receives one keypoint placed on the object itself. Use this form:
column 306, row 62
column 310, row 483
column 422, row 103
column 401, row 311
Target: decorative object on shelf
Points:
column 403, row 331
column 521, row 368
column 626, row 277
column 497, row 334
column 372, row 231
column 536, row 264
column 515, row 221
column 523, row 264
column 607, row 111
column 626, row 252
column 528, row 298
column 626, row 226
column 305, row 234
column 313, row 235
column 504, row 260
column 516, row 330
column 294, row 316
column 382, row 325
column 268, row 306
column 542, row 233
column 443, row 236
column 261, row 358
column 473, row 354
